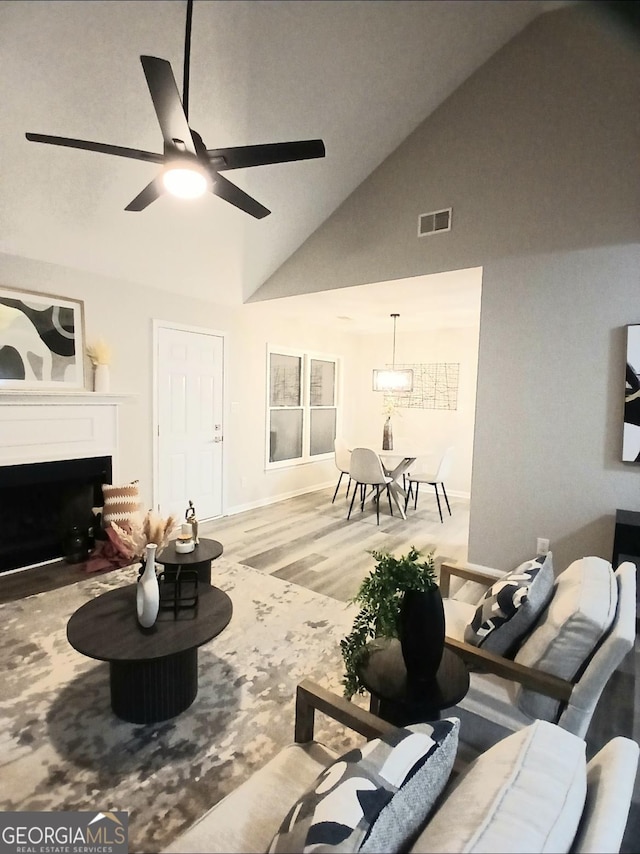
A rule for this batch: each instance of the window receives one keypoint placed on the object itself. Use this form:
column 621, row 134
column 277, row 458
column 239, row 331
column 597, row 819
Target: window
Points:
column 302, row 406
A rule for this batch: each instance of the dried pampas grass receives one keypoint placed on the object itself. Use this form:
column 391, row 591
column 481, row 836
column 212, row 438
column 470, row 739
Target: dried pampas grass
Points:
column 99, row 353
column 145, row 529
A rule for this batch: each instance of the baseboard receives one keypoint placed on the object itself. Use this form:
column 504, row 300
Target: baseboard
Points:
column 265, row 502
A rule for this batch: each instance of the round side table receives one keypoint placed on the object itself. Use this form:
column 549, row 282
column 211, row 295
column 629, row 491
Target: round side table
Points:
column 402, row 702
column 199, row 559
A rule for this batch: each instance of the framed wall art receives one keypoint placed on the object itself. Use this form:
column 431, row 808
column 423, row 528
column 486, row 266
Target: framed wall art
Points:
column 41, row 342
column 631, row 434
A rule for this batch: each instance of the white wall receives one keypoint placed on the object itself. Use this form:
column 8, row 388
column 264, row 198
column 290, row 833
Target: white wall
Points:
column 123, row 313
column 430, row 431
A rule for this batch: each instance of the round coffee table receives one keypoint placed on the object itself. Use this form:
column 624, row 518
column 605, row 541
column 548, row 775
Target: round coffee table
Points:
column 199, row 559
column 153, row 672
column 400, row 701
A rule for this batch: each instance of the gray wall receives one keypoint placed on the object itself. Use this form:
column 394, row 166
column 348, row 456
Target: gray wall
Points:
column 538, row 155
column 549, row 406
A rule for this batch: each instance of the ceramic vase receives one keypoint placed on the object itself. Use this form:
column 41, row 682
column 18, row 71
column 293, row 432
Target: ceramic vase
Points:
column 387, row 436
column 421, row 631
column 101, row 379
column 148, row 591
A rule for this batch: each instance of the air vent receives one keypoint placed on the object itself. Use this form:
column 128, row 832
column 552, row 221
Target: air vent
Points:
column 432, row 223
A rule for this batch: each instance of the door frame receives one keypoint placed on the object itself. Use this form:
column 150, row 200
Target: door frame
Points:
column 200, row 330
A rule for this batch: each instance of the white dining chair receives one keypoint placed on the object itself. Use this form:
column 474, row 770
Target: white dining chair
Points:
column 366, row 470
column 342, row 458
column 434, row 478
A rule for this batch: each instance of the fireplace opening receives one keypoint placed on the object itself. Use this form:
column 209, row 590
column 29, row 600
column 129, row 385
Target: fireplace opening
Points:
column 41, row 502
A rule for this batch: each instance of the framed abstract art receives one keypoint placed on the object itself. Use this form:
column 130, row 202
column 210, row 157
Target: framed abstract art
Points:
column 631, row 434
column 41, row 342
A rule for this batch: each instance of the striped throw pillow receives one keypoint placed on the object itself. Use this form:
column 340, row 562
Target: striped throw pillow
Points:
column 120, row 502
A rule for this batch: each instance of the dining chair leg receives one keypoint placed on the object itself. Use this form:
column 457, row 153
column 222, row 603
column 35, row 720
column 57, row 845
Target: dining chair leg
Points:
column 445, row 498
column 348, row 488
column 337, row 487
column 407, row 495
column 389, row 497
column 377, row 505
column 353, row 498
column 415, row 503
column 435, row 486
column 363, row 495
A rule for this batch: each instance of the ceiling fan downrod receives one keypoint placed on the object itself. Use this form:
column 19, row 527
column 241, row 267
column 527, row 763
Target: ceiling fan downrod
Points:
column 187, row 59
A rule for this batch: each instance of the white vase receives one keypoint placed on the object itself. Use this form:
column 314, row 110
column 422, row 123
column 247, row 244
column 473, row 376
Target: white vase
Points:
column 148, row 592
column 101, row 379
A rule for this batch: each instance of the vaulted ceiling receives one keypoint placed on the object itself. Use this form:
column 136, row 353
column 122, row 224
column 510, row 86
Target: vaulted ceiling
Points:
column 360, row 75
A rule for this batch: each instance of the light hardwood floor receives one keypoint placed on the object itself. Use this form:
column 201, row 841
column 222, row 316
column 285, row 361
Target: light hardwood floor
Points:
column 309, row 541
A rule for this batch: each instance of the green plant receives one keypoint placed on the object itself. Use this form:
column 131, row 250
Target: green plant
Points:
column 380, row 596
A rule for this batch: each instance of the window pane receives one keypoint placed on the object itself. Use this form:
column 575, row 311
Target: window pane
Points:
column 285, row 382
column 323, row 382
column 323, row 431
column 285, row 435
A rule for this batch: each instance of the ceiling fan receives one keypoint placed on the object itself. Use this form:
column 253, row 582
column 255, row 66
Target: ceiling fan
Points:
column 189, row 168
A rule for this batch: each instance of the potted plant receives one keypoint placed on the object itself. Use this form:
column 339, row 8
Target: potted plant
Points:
column 399, row 598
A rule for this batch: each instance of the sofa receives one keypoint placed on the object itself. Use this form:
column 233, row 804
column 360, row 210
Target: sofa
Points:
column 532, row 791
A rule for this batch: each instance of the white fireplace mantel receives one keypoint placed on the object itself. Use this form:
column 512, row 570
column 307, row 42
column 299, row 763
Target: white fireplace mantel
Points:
column 85, row 398
column 41, row 427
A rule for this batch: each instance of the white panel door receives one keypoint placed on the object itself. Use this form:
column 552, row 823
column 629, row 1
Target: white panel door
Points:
column 189, row 374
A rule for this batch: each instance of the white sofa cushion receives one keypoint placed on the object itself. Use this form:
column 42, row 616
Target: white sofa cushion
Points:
column 579, row 614
column 374, row 798
column 610, row 779
column 511, row 606
column 525, row 794
column 246, row 819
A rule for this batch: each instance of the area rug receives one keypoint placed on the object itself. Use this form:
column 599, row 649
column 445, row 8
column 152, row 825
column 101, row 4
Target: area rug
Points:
column 61, row 747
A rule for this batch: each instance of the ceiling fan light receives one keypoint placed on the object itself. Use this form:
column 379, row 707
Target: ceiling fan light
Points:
column 185, row 182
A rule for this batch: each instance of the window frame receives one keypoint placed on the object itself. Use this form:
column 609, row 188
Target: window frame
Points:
column 306, row 356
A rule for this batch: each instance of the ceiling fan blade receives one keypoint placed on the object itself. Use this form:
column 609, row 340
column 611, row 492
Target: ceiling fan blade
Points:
column 230, row 193
column 274, row 152
column 100, row 147
column 166, row 101
column 150, row 193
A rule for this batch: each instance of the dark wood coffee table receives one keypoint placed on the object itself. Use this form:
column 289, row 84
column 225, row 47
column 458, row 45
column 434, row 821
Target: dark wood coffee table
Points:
column 399, row 701
column 153, row 672
column 199, row 559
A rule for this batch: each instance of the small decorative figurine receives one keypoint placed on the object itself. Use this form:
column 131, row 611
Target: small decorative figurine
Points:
column 190, row 516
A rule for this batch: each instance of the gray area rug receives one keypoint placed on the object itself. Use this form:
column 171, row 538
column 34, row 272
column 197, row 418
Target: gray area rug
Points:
column 61, row 747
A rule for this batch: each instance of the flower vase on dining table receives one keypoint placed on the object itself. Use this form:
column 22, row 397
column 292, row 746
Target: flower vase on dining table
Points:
column 387, row 435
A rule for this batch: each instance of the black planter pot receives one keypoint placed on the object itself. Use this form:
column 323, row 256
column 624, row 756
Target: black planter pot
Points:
column 421, row 631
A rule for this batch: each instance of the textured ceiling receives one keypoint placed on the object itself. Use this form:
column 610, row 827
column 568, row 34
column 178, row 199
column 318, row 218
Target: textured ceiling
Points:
column 361, row 75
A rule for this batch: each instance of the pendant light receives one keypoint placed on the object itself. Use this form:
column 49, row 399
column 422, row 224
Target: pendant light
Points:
column 393, row 380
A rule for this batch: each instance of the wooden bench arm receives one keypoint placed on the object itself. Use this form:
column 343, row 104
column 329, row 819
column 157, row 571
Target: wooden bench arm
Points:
column 536, row 680
column 310, row 696
column 470, row 573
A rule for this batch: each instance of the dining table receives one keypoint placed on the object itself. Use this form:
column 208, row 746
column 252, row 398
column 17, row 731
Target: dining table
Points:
column 395, row 465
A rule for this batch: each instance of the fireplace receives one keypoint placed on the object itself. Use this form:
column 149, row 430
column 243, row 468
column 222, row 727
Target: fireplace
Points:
column 40, row 503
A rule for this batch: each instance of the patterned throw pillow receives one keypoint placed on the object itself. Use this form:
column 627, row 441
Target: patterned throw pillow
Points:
column 511, row 606
column 120, row 502
column 375, row 798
